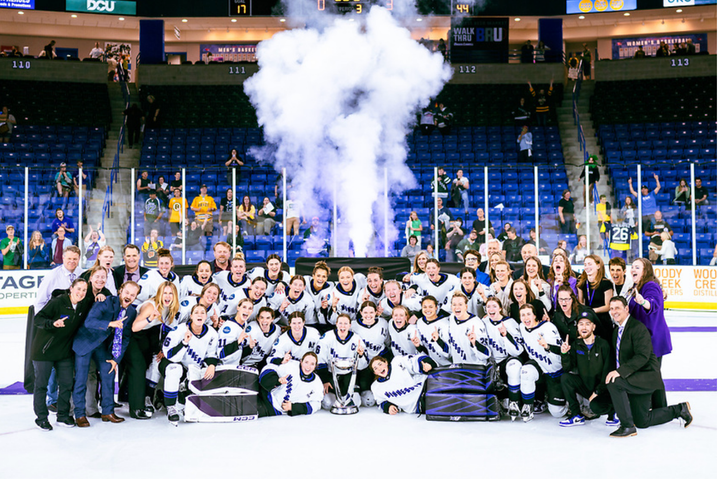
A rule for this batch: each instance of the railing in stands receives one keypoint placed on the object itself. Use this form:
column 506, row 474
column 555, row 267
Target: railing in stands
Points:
column 107, row 203
column 576, row 113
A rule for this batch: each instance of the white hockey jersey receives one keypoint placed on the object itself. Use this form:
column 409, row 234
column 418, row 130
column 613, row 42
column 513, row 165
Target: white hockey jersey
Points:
column 187, row 305
column 475, row 304
column 231, row 304
column 302, row 304
column 298, row 389
column 199, row 352
column 413, row 304
column 442, row 290
column 272, row 283
column 401, row 339
column 348, row 301
column 330, row 346
column 503, row 347
column 190, row 286
column 460, row 350
column 375, row 339
column 318, row 296
column 297, row 348
column 263, row 342
column 229, row 351
column 434, row 349
column 403, row 385
column 503, row 294
column 549, row 362
column 151, row 281
column 227, row 286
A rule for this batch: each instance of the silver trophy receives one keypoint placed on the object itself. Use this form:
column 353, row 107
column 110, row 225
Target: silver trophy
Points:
column 342, row 366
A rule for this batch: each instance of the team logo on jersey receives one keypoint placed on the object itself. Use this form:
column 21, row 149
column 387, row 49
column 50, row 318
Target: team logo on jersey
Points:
column 144, row 277
column 185, row 303
column 226, row 330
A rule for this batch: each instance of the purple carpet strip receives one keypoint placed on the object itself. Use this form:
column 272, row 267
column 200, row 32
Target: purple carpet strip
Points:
column 693, row 329
column 674, row 385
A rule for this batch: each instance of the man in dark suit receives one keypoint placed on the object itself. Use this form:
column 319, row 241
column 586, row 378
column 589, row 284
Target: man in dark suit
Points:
column 131, row 270
column 636, row 376
column 104, row 337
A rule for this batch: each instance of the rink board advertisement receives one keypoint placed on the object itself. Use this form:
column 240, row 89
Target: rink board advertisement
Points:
column 687, row 287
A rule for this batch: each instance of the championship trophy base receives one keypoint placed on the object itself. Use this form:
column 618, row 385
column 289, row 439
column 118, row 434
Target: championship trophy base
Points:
column 349, row 409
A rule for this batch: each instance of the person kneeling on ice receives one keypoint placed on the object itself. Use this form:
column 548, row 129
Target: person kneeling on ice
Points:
column 291, row 388
column 586, row 362
column 542, row 343
column 190, row 350
column 399, row 385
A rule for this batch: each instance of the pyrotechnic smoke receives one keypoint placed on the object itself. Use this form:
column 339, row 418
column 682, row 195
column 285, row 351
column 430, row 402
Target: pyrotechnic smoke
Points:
column 336, row 102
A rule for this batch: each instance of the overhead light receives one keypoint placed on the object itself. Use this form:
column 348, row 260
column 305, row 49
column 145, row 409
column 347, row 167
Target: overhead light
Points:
column 74, row 16
column 233, row 20
column 679, row 10
column 517, row 19
column 121, row 19
column 419, row 20
column 352, row 19
column 627, row 14
column 184, row 21
column 282, row 20
column 21, row 12
column 582, row 17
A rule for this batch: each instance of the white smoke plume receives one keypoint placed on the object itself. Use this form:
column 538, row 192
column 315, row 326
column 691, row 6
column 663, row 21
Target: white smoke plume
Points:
column 336, row 103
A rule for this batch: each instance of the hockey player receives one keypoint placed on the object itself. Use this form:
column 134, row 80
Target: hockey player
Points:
column 192, row 285
column 260, row 337
column 399, row 384
column 232, row 281
column 466, row 338
column 155, row 319
column 394, row 296
column 294, row 343
column 256, row 293
column 190, row 351
column 232, row 335
column 339, row 342
column 430, row 327
column 209, row 299
column 150, row 281
column 320, row 290
column 291, row 388
column 435, row 283
column 373, row 331
column 404, row 337
column 374, row 285
column 292, row 299
column 476, row 293
column 542, row 343
column 347, row 295
column 273, row 274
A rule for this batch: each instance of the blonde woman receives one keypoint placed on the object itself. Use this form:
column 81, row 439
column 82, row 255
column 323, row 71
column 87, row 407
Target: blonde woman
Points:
column 38, row 252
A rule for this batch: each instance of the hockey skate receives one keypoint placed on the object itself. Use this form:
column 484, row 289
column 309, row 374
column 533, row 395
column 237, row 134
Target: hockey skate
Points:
column 148, row 405
column 540, row 407
column 513, row 410
column 173, row 414
column 527, row 413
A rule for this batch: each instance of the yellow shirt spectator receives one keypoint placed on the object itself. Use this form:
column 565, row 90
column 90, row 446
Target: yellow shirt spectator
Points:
column 203, row 205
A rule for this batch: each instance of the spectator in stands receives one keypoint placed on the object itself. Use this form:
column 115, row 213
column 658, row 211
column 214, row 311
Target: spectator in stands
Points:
column 315, row 240
column 221, row 252
column 572, row 64
column 604, row 217
column 663, row 50
column 239, row 240
column 292, row 217
column 176, row 183
column 112, row 68
column 586, row 62
column 444, row 216
column 94, row 240
column 38, row 252
column 63, row 182
column 561, row 249
column 442, row 48
column 460, row 187
column 639, row 53
column 593, row 177
column 566, row 214
column 203, row 205
column 193, row 238
column 525, row 141
column 581, row 251
column 7, row 123
column 682, row 193
column 629, row 211
column 162, row 189
column 234, row 161
column 49, row 50
column 667, row 251
column 542, row 103
column 152, row 213
column 411, row 249
column 265, row 218
column 150, row 249
column 479, row 226
column 526, row 53
column 76, row 178
column 227, row 210
column 443, row 119
column 512, row 247
column 701, row 193
column 544, row 246
column 246, row 216
column 540, row 51
column 177, row 206
column 96, row 52
column 12, row 249
column 62, row 221
column 15, row 52
column 452, row 239
column 522, row 114
column 504, row 234
column 649, row 202
column 470, row 243
column 58, row 246
column 690, row 47
column 427, row 121
column 443, row 184
column 144, row 186
column 133, row 122
column 152, row 113
column 682, row 50
column 413, row 227
column 654, row 230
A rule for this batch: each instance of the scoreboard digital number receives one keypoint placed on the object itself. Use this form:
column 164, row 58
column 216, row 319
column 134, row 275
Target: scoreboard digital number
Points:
column 352, row 6
column 240, row 8
column 462, row 7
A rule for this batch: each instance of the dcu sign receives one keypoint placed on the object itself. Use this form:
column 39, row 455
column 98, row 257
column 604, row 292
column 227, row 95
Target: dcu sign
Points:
column 101, row 6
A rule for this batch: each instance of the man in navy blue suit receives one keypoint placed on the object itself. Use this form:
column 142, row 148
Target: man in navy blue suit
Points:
column 104, row 337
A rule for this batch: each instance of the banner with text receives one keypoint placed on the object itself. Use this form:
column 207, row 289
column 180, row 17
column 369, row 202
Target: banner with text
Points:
column 228, row 52
column 479, row 40
column 625, row 48
column 599, row 6
column 18, row 290
column 21, row 4
column 689, row 287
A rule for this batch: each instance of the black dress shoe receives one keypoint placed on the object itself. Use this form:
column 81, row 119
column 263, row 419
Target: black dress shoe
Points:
column 142, row 414
column 685, row 413
column 67, row 422
column 624, row 432
column 96, row 415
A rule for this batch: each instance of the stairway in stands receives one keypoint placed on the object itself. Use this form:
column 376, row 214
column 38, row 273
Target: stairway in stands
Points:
column 118, row 220
column 572, row 150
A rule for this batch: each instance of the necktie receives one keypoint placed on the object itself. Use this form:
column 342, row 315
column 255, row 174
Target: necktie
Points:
column 117, row 338
column 617, row 346
column 129, row 276
column 72, row 278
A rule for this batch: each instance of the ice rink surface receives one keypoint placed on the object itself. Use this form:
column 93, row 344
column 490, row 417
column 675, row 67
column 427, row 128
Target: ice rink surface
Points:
column 371, row 444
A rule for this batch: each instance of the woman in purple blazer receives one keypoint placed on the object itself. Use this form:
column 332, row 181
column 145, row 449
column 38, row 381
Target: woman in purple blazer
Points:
column 648, row 305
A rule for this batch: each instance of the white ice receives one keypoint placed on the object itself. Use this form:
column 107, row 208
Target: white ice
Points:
column 369, row 444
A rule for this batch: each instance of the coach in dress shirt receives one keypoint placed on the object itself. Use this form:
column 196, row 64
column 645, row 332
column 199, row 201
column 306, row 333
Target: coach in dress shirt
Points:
column 131, row 270
column 60, row 278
